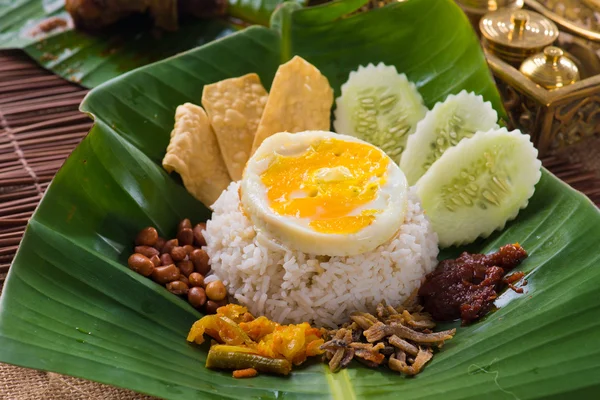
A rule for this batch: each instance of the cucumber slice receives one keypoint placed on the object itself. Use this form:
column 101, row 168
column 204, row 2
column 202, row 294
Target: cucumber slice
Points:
column 478, row 185
column 444, row 126
column 380, row 106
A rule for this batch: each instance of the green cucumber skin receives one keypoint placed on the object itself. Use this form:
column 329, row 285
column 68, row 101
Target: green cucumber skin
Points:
column 479, row 185
column 459, row 116
column 380, row 106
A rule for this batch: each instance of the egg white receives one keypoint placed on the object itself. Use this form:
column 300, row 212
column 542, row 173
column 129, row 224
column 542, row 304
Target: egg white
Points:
column 295, row 233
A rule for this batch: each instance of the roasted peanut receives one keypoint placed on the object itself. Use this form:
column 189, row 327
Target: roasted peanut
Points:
column 211, row 306
column 166, row 259
column 140, row 264
column 185, row 236
column 169, row 244
column 179, row 264
column 147, row 251
column 178, row 253
column 177, row 287
column 216, row 291
column 200, row 259
column 198, row 236
column 165, row 274
column 155, row 260
column 186, row 267
column 160, row 243
column 184, row 279
column 146, row 237
column 196, row 279
column 184, row 224
column 196, row 297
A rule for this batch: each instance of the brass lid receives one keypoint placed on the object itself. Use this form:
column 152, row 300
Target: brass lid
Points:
column 550, row 69
column 517, row 31
column 483, row 6
column 511, row 57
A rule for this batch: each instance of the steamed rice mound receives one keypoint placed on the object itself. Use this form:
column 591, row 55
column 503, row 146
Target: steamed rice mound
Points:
column 291, row 287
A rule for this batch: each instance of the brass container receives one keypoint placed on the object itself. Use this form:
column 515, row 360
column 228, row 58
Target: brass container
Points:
column 551, row 69
column 475, row 9
column 514, row 35
column 484, row 6
column 553, row 97
column 554, row 118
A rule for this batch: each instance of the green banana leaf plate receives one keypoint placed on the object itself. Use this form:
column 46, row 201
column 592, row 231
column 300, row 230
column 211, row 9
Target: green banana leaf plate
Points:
column 90, row 59
column 72, row 306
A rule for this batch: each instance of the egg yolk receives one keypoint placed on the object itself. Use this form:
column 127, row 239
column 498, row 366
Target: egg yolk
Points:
column 330, row 183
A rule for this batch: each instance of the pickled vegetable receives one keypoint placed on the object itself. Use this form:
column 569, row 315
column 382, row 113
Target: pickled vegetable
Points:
column 220, row 328
column 232, row 357
column 246, row 342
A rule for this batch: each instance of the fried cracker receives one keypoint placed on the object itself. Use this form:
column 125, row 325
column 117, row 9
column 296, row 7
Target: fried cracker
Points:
column 234, row 107
column 300, row 100
column 194, row 154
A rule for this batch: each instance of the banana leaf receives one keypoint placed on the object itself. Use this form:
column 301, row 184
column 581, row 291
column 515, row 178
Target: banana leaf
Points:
column 93, row 58
column 72, row 306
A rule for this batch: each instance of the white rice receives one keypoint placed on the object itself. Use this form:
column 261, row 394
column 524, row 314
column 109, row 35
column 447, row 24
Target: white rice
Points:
column 291, row 287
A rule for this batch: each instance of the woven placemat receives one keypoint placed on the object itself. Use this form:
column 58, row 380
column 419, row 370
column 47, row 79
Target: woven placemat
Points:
column 39, row 127
column 28, row 384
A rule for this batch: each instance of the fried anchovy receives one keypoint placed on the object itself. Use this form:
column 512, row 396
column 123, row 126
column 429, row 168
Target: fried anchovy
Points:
column 406, row 333
column 333, row 345
column 403, row 345
column 364, row 320
column 348, row 356
column 417, row 320
column 393, row 336
column 421, row 324
column 341, row 339
column 369, row 352
column 401, row 366
column 379, row 331
column 334, row 363
column 401, row 356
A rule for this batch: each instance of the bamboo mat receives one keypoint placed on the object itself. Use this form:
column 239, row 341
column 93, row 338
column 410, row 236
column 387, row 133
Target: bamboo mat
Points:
column 39, row 127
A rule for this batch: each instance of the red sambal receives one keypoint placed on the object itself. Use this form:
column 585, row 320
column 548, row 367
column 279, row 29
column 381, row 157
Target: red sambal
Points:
column 466, row 287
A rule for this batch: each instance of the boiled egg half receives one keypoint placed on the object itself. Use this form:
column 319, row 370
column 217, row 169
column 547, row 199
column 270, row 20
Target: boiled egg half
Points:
column 324, row 193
